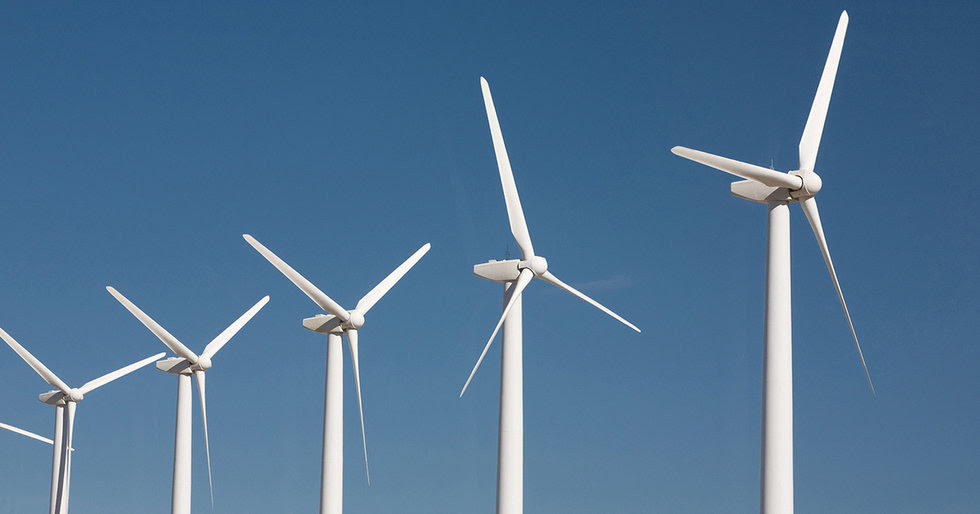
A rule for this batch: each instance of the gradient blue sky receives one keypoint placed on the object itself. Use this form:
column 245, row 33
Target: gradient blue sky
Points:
column 137, row 144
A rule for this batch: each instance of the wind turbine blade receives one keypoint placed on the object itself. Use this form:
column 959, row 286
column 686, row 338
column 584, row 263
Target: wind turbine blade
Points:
column 352, row 343
column 32, row 361
column 109, row 377
column 813, row 215
column 199, row 375
column 172, row 342
column 522, row 281
column 318, row 297
column 759, row 174
column 21, row 431
column 226, row 335
column 518, row 226
column 549, row 277
column 812, row 132
column 372, row 297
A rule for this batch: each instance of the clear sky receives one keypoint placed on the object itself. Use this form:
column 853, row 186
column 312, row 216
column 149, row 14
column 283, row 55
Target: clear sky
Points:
column 137, row 144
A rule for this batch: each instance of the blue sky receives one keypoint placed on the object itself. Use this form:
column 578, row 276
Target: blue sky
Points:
column 137, row 144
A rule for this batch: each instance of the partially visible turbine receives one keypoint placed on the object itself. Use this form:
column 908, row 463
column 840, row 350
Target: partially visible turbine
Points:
column 23, row 432
column 778, row 190
column 338, row 321
column 184, row 366
column 65, row 398
column 516, row 274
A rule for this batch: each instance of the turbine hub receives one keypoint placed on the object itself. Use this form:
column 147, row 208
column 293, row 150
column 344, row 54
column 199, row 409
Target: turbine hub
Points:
column 812, row 183
column 76, row 395
column 537, row 264
column 356, row 320
column 204, row 363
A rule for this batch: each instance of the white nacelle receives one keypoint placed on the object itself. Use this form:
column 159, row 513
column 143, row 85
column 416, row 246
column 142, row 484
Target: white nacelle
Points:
column 175, row 365
column 755, row 192
column 323, row 324
column 52, row 397
column 498, row 271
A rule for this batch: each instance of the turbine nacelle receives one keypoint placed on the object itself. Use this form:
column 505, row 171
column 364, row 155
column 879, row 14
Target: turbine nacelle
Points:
column 755, row 191
column 324, row 324
column 60, row 398
column 175, row 365
column 499, row 271
column 53, row 398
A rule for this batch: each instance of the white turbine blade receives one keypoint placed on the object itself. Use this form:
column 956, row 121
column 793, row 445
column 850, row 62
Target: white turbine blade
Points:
column 810, row 142
column 318, row 297
column 759, row 174
column 549, row 277
column 21, row 431
column 109, row 377
column 199, row 375
column 522, row 281
column 813, row 215
column 518, row 226
column 226, row 335
column 352, row 343
column 32, row 361
column 372, row 297
column 172, row 342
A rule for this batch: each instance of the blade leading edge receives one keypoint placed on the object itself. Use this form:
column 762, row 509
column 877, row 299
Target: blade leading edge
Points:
column 199, row 375
column 166, row 337
column 21, row 431
column 518, row 226
column 372, row 297
column 741, row 169
column 522, row 281
column 352, row 344
column 813, row 131
column 91, row 385
column 226, row 335
column 319, row 297
column 813, row 215
column 549, row 277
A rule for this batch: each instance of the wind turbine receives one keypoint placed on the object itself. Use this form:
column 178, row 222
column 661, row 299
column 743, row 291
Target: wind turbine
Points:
column 65, row 398
column 778, row 190
column 339, row 321
column 188, row 363
column 515, row 274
